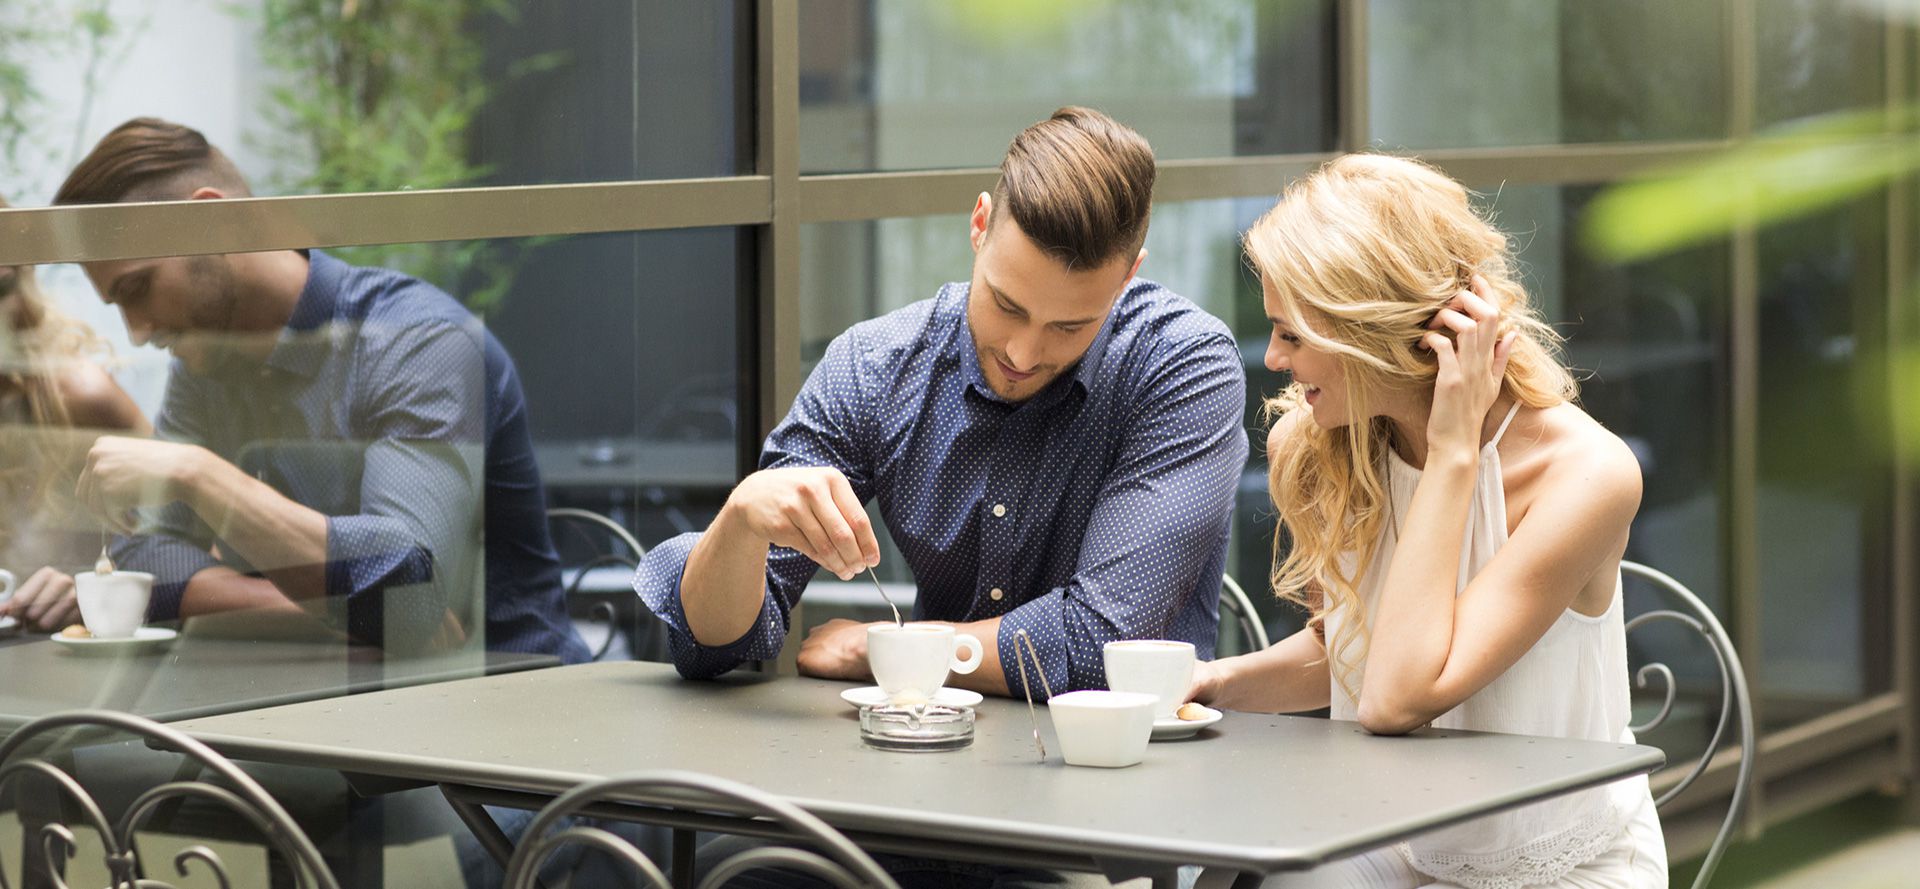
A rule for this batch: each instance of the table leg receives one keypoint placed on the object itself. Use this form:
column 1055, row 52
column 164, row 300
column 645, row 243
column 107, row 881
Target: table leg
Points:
column 683, row 852
column 1221, row 878
column 491, row 837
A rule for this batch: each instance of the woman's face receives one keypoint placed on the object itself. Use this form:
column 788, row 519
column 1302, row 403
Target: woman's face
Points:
column 1317, row 373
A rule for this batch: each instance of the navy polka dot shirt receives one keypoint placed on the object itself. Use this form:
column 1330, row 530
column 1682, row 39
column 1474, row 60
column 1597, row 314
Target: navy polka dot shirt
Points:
column 388, row 407
column 1096, row 510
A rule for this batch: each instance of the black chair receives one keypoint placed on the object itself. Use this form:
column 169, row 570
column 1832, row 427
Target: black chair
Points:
column 611, row 545
column 30, row 752
column 838, row 861
column 1234, row 601
column 1735, row 705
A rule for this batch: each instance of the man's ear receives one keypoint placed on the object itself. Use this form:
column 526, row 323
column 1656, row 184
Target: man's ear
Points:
column 1135, row 271
column 982, row 216
column 206, row 193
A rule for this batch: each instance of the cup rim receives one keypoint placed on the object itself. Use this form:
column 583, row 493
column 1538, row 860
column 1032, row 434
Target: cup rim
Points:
column 138, row 575
column 1146, row 644
column 888, row 629
column 1105, row 699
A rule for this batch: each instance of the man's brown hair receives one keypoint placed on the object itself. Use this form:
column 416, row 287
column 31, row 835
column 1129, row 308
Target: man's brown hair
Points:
column 148, row 159
column 1080, row 184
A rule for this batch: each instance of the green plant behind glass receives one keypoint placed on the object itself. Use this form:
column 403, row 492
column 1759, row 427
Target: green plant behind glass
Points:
column 380, row 95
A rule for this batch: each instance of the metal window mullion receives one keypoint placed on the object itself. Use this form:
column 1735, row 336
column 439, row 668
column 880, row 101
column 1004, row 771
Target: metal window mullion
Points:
column 777, row 155
column 1743, row 496
column 1353, row 89
column 181, row 228
column 1902, row 41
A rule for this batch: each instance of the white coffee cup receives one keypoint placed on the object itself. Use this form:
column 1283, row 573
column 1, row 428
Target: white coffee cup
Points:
column 910, row 662
column 7, row 584
column 113, row 605
column 1108, row 729
column 1162, row 668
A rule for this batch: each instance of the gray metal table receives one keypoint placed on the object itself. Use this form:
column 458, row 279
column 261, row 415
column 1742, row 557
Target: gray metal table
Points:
column 203, row 675
column 1254, row 794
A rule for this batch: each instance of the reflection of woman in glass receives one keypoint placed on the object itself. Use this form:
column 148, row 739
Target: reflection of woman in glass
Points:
column 51, row 388
column 1457, row 523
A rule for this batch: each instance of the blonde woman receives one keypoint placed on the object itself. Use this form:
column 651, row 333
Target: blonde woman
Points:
column 52, row 391
column 1457, row 521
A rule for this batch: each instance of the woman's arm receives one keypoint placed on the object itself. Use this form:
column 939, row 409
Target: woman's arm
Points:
column 1431, row 649
column 1287, row 677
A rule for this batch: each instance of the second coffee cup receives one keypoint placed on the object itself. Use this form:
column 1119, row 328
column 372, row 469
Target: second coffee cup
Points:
column 113, row 606
column 911, row 662
column 1162, row 668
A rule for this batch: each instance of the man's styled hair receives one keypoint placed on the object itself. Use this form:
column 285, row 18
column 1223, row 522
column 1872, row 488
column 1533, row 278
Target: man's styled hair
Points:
column 148, row 159
column 1080, row 184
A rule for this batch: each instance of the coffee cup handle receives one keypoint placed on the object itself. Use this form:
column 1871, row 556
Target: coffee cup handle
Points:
column 7, row 581
column 971, row 644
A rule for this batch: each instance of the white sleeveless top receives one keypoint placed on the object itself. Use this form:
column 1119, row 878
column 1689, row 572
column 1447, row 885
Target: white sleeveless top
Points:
column 1571, row 684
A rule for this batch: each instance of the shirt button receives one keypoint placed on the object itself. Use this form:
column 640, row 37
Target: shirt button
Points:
column 999, row 509
column 996, row 594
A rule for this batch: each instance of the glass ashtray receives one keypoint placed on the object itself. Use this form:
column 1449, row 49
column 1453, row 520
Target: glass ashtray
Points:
column 922, row 727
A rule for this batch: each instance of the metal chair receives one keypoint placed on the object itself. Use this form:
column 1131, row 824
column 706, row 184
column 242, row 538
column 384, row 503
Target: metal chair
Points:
column 843, row 863
column 1735, row 704
column 1234, row 601
column 22, row 755
column 581, row 520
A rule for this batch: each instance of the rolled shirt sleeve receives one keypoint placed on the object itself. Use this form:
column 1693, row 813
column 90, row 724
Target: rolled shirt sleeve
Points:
column 825, row 427
column 1158, row 523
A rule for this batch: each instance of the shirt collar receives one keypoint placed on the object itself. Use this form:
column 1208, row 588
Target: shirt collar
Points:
column 308, row 337
column 1079, row 382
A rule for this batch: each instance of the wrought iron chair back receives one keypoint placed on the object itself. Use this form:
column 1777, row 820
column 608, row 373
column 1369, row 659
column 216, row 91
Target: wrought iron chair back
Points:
column 604, row 611
column 1736, row 707
column 1235, row 601
column 843, row 864
column 241, row 795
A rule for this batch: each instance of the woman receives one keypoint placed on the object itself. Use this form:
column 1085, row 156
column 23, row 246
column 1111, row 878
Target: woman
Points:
column 51, row 388
column 1457, row 523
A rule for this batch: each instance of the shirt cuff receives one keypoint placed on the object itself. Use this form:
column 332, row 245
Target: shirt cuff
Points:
column 1044, row 619
column 171, row 562
column 658, row 583
column 366, row 557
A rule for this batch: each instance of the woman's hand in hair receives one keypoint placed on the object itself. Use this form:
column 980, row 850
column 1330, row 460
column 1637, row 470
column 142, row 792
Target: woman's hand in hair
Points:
column 1466, row 337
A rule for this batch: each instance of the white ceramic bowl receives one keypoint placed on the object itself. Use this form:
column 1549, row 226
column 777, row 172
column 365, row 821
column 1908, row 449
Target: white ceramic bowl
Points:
column 1108, row 729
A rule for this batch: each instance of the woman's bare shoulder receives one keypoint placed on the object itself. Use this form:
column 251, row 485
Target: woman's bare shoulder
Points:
column 1583, row 455
column 94, row 401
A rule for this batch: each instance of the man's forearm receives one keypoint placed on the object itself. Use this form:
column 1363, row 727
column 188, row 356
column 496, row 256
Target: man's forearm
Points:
column 284, row 539
column 989, row 677
column 224, row 589
column 723, row 586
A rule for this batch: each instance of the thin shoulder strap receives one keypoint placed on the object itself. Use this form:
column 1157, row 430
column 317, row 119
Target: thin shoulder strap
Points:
column 1505, row 423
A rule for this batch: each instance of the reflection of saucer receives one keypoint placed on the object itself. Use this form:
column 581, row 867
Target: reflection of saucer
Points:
column 872, row 696
column 8, row 624
column 143, row 640
column 1173, row 727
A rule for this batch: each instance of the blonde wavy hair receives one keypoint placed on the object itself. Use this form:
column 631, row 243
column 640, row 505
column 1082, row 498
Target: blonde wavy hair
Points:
column 1361, row 254
column 38, row 344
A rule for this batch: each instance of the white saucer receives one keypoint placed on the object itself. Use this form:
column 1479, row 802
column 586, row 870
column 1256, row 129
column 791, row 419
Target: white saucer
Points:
column 9, row 623
column 143, row 640
column 1174, row 728
column 872, row 696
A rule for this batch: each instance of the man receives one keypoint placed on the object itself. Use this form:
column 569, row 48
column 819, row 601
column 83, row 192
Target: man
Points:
column 1054, row 446
column 334, row 441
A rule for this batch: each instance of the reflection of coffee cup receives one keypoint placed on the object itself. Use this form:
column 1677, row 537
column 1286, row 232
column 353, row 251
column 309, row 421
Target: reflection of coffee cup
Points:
column 911, row 662
column 7, row 582
column 113, row 605
column 1160, row 668
column 1109, row 729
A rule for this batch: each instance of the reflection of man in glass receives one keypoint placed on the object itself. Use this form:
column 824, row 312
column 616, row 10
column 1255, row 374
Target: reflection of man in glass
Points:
column 334, row 440
column 1054, row 445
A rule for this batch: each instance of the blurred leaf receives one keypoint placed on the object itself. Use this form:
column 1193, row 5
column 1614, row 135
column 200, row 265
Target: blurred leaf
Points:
column 1002, row 20
column 1906, row 409
column 1791, row 171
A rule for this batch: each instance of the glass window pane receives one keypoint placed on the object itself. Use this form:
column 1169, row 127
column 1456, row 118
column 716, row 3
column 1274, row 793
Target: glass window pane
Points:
column 920, row 84
column 1816, row 56
column 1520, row 72
column 389, row 96
column 1824, row 510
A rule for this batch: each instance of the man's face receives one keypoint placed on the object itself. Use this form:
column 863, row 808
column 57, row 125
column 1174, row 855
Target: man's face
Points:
column 1032, row 318
column 184, row 304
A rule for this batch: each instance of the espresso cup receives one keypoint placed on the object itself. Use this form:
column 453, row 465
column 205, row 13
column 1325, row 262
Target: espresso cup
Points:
column 113, row 605
column 910, row 662
column 1107, row 729
column 1157, row 667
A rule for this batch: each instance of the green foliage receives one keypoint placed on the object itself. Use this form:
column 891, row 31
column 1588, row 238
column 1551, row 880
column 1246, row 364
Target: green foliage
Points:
column 1800, row 168
column 380, row 95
